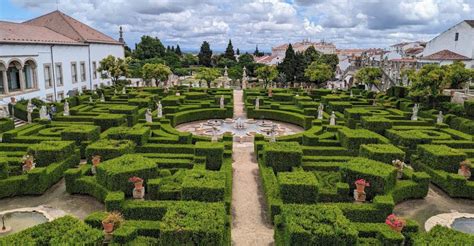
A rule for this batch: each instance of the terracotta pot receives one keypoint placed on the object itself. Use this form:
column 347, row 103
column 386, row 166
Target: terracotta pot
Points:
column 138, row 185
column 360, row 188
column 465, row 169
column 95, row 161
column 28, row 163
column 108, row 227
column 397, row 228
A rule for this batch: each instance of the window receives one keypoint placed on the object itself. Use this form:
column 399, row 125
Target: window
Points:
column 94, row 70
column 83, row 72
column 74, row 72
column 456, row 36
column 47, row 76
column 59, row 74
column 49, row 97
column 60, row 95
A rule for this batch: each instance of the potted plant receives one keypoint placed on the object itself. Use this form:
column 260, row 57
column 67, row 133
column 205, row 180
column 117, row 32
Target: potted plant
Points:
column 96, row 160
column 112, row 221
column 395, row 222
column 464, row 169
column 28, row 162
column 361, row 184
column 137, row 181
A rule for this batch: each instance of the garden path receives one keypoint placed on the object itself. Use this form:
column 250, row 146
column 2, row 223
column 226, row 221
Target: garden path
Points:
column 250, row 224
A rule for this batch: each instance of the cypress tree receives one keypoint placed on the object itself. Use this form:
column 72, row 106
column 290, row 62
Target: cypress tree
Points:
column 237, row 52
column 178, row 50
column 288, row 66
column 205, row 54
column 229, row 51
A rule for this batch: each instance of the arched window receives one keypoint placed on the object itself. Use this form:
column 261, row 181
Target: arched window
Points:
column 13, row 76
column 30, row 74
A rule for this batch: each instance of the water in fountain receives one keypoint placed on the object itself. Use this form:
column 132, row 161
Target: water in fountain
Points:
column 19, row 221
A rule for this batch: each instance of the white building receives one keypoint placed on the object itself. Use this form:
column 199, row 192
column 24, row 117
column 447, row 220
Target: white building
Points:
column 49, row 56
column 454, row 44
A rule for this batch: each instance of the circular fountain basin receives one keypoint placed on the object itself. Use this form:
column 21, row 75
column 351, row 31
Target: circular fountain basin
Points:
column 18, row 221
column 250, row 127
column 463, row 222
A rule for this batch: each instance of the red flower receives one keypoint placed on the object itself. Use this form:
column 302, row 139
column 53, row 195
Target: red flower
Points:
column 362, row 182
column 135, row 179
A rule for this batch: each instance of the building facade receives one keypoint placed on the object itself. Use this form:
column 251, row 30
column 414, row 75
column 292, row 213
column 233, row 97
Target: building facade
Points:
column 50, row 56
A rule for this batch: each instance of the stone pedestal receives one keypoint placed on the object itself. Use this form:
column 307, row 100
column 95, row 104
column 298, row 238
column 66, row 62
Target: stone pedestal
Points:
column 359, row 196
column 93, row 170
column 108, row 237
column 139, row 193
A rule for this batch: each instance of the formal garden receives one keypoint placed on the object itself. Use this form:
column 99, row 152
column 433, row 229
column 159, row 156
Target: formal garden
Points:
column 335, row 183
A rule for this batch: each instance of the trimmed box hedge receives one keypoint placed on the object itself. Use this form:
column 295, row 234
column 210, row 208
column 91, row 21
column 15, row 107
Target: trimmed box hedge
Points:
column 381, row 152
column 298, row 187
column 109, row 149
column 441, row 157
column 48, row 152
column 214, row 153
column 205, row 186
column 282, row 156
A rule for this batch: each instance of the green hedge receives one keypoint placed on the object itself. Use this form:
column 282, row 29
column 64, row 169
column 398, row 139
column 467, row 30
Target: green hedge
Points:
column 6, row 124
column 298, row 187
column 80, row 133
column 441, row 157
column 282, row 156
column 214, row 153
column 376, row 123
column 440, row 235
column 48, row 152
column 381, row 177
column 322, row 225
column 109, row 149
column 352, row 139
column 205, row 186
column 114, row 174
column 469, row 107
column 139, row 134
column 106, row 121
column 381, row 152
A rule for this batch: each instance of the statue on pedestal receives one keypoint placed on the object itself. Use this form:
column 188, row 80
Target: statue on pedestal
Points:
column 148, row 116
column 66, row 108
column 332, row 120
column 320, row 111
column 159, row 110
column 439, row 118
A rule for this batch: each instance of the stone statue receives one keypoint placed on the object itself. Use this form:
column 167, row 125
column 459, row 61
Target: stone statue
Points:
column 66, row 108
column 43, row 113
column 332, row 120
column 90, row 99
column 352, row 95
column 225, row 72
column 257, row 103
column 320, row 111
column 102, row 98
column 124, row 90
column 222, row 101
column 270, row 92
column 29, row 109
column 148, row 116
column 244, row 78
column 214, row 134
column 160, row 110
column 115, row 91
column 414, row 116
column 439, row 118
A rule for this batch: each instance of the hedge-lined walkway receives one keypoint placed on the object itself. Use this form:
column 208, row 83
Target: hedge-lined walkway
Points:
column 249, row 225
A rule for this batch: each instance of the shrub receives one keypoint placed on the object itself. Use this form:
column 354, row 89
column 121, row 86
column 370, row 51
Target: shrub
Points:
column 298, row 187
column 376, row 123
column 205, row 186
column 106, row 121
column 214, row 153
column 80, row 133
column 352, row 139
column 48, row 152
column 114, row 174
column 469, row 107
column 322, row 225
column 381, row 177
column 440, row 235
column 282, row 156
column 441, row 157
column 138, row 134
column 381, row 152
column 109, row 148
column 6, row 124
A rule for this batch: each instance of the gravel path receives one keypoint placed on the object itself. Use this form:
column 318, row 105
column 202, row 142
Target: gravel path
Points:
column 250, row 224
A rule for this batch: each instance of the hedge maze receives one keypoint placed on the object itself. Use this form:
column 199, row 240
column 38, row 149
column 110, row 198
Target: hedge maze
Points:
column 309, row 178
column 187, row 179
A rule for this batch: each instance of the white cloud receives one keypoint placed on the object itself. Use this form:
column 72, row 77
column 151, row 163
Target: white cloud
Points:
column 348, row 23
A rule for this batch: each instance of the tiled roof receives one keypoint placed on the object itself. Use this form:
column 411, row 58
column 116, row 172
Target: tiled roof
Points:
column 414, row 51
column 470, row 22
column 23, row 33
column 445, row 55
column 72, row 28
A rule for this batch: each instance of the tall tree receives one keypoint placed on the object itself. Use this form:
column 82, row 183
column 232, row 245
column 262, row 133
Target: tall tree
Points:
column 300, row 66
column 114, row 68
column 427, row 82
column 257, row 53
column 172, row 48
column 208, row 75
column 229, row 51
column 267, row 74
column 457, row 75
column 237, row 52
column 205, row 54
column 289, row 63
column 148, row 47
column 158, row 72
column 371, row 76
column 318, row 72
column 178, row 50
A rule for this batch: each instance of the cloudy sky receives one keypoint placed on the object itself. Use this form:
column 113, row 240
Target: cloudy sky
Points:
column 347, row 23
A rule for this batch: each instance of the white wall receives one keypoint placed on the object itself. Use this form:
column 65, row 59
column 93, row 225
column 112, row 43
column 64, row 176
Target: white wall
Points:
column 445, row 41
column 64, row 54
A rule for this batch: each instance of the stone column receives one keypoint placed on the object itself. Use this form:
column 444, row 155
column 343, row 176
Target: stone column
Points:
column 22, row 80
column 5, row 82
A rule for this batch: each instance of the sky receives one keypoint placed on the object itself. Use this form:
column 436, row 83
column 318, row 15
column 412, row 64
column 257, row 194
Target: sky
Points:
column 266, row 23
